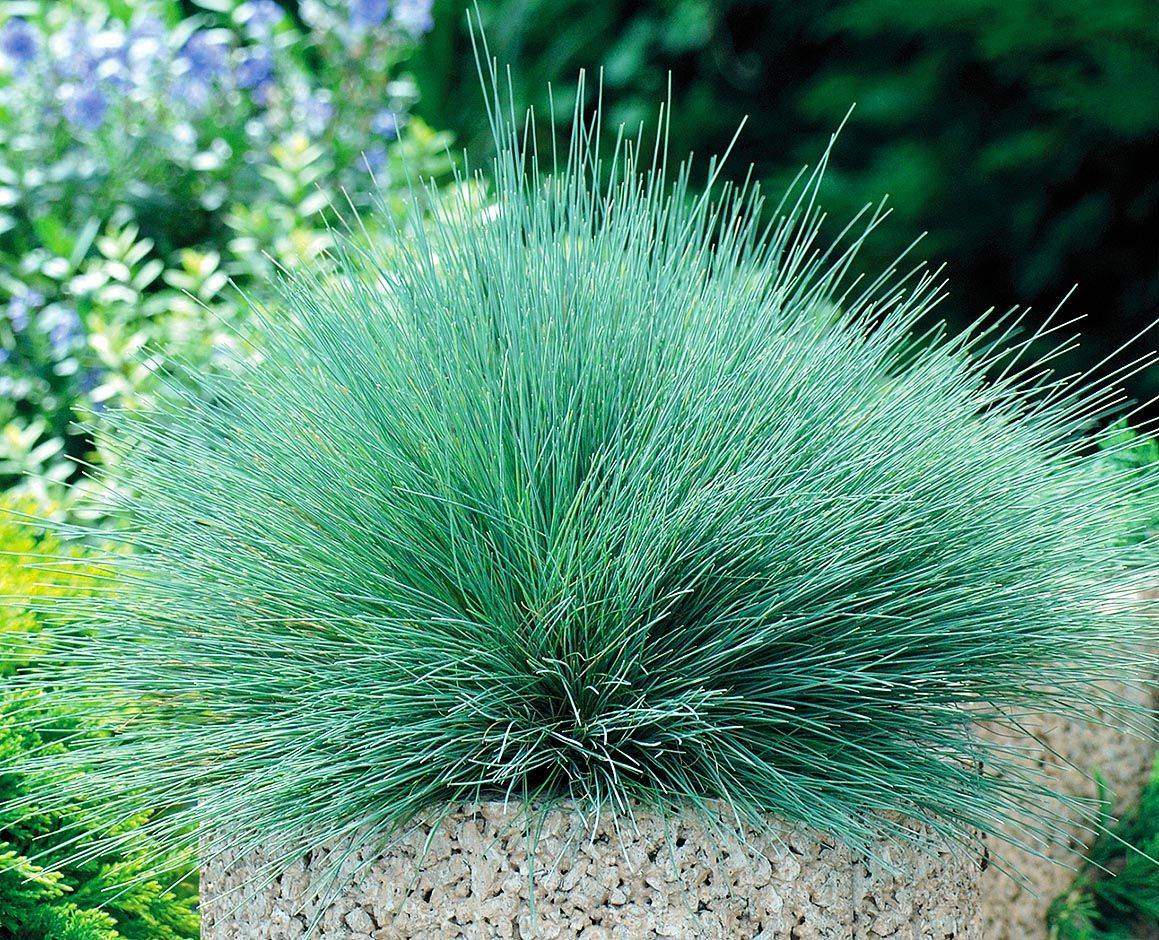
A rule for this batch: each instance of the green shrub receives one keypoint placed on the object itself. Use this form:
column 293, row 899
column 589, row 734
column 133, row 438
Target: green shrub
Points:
column 61, row 574
column 1116, row 895
column 46, row 891
column 603, row 495
column 1128, row 451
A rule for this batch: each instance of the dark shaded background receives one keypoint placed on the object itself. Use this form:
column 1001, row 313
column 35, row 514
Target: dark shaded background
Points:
column 1023, row 135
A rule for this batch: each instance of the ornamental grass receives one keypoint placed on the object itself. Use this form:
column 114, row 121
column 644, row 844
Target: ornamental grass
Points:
column 616, row 495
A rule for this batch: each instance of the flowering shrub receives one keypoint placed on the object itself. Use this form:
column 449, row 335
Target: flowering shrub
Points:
column 147, row 159
column 152, row 109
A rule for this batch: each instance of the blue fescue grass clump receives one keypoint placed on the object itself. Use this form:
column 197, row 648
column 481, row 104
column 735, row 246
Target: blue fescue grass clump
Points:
column 607, row 495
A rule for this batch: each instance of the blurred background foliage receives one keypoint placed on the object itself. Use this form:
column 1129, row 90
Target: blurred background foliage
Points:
column 1022, row 135
column 157, row 160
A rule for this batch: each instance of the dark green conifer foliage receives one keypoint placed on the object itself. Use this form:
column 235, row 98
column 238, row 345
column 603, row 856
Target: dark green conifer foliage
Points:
column 43, row 897
column 116, row 893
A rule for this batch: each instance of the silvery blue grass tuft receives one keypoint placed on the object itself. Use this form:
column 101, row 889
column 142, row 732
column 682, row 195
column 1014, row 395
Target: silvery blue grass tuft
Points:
column 609, row 494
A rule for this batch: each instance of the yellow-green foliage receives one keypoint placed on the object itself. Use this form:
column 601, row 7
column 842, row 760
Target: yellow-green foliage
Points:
column 34, row 566
column 112, row 894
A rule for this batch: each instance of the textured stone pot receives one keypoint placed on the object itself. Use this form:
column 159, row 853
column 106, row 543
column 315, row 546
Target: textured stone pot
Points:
column 655, row 880
column 683, row 881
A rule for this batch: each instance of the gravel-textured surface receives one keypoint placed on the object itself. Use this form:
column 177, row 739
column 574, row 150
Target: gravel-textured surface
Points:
column 656, row 880
column 680, row 880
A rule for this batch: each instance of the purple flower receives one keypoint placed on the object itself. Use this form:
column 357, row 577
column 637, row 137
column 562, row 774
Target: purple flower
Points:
column 19, row 42
column 366, row 14
column 187, row 91
column 109, row 44
column 21, row 305
column 62, row 325
column 145, row 42
column 111, row 52
column 385, row 124
column 148, row 26
column 72, row 51
column 414, row 16
column 256, row 71
column 317, row 112
column 374, row 158
column 203, row 56
column 89, row 381
column 261, row 16
column 85, row 107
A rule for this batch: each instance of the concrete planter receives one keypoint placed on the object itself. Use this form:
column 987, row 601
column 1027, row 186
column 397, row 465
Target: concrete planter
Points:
column 679, row 880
